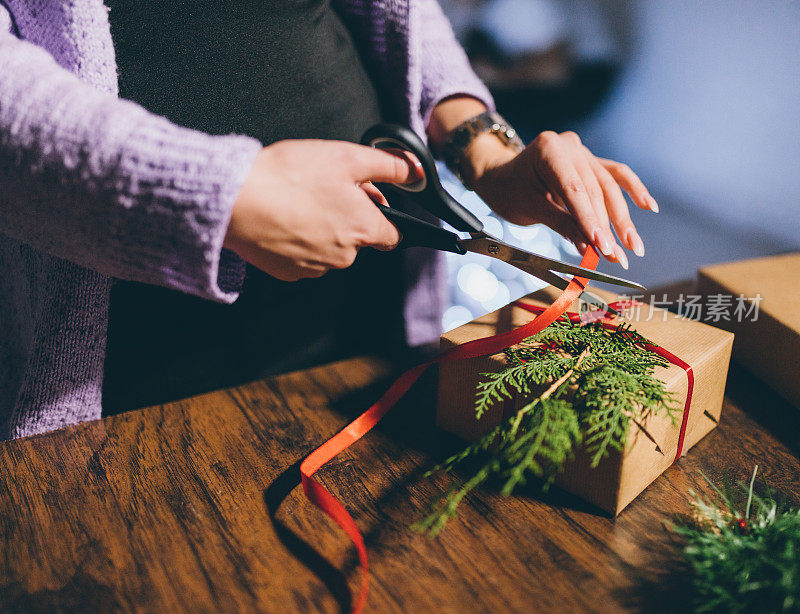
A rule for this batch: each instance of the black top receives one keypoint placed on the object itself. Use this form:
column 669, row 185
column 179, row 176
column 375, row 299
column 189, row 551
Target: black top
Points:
column 273, row 70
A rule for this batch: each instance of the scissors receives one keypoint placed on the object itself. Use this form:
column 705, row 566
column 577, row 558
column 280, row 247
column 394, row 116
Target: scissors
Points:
column 429, row 194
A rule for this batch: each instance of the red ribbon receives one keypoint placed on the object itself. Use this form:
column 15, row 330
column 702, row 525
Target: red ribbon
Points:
column 652, row 347
column 323, row 499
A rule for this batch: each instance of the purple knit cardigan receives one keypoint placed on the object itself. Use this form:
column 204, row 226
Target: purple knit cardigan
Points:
column 94, row 187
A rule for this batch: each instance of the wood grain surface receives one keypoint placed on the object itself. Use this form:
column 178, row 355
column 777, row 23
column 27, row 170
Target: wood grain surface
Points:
column 195, row 506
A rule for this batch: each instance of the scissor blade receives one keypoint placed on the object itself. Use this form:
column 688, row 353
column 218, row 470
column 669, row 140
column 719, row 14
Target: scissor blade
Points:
column 489, row 246
column 561, row 283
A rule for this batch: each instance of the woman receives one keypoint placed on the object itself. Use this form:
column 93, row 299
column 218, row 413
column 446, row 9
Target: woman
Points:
column 94, row 188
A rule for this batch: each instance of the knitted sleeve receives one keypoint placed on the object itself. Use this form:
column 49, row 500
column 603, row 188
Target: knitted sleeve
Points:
column 445, row 69
column 101, row 182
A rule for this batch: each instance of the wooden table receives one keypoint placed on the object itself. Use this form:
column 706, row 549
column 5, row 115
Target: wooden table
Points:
column 195, row 506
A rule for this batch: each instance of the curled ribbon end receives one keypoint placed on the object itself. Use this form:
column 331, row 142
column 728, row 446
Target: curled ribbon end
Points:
column 319, row 496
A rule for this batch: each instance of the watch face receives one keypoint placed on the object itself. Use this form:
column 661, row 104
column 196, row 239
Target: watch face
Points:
column 462, row 136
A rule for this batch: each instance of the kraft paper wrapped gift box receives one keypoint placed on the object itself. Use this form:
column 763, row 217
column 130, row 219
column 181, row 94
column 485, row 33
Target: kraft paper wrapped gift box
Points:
column 620, row 476
column 769, row 347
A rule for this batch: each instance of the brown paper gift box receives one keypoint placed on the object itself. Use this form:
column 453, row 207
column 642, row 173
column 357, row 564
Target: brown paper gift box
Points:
column 770, row 346
column 620, row 476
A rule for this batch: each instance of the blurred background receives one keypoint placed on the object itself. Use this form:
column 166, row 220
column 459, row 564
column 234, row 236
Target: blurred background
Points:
column 701, row 99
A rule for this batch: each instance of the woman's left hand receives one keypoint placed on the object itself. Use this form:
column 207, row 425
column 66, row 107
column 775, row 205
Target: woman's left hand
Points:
column 556, row 180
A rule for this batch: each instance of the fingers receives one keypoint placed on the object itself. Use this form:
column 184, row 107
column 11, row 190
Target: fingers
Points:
column 617, row 208
column 375, row 195
column 411, row 160
column 630, row 182
column 376, row 230
column 289, row 271
column 395, row 166
column 555, row 164
column 387, row 236
column 564, row 224
column 381, row 233
column 596, row 195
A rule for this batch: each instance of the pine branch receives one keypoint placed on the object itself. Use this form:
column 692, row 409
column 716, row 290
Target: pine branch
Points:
column 600, row 381
column 742, row 562
column 520, row 376
column 546, row 429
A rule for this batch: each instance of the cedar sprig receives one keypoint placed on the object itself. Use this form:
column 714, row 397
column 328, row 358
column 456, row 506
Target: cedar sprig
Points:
column 600, row 381
column 500, row 455
column 743, row 552
column 522, row 374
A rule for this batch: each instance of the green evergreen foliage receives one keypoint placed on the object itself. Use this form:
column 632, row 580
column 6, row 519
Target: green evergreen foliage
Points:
column 598, row 380
column 743, row 556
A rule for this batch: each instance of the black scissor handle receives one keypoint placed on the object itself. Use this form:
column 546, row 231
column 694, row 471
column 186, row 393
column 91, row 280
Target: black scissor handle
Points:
column 419, row 233
column 428, row 191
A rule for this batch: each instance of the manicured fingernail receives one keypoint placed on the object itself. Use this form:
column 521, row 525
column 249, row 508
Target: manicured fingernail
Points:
column 635, row 241
column 620, row 254
column 602, row 241
column 412, row 161
column 653, row 204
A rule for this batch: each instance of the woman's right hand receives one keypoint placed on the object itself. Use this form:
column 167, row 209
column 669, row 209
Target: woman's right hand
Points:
column 307, row 206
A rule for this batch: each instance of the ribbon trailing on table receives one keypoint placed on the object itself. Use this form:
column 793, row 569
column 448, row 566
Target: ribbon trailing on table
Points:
column 323, row 499
column 603, row 317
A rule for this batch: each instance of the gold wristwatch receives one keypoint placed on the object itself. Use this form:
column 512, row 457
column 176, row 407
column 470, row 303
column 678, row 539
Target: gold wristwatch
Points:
column 462, row 135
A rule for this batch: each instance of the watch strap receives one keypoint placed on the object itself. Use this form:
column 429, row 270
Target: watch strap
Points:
column 462, row 135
